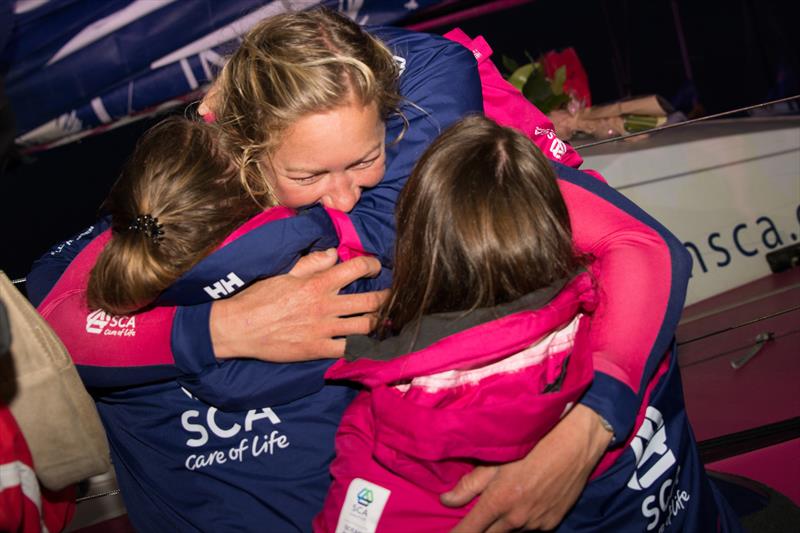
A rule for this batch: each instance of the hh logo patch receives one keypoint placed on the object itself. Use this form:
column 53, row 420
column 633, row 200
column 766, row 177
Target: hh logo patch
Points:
column 225, row 286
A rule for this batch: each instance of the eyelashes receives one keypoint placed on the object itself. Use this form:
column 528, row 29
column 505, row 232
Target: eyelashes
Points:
column 311, row 178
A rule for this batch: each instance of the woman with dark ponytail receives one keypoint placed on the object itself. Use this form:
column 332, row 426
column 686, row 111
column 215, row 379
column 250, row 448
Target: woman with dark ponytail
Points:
column 177, row 198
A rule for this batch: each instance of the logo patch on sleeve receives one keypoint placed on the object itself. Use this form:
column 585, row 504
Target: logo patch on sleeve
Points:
column 101, row 323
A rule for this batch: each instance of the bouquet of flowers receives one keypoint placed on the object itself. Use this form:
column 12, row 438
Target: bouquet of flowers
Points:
column 556, row 81
column 557, row 84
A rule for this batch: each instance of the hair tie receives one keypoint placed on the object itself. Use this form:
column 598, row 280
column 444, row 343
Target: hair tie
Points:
column 148, row 225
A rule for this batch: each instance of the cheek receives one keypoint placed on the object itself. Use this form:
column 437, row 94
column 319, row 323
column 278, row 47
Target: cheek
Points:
column 374, row 176
column 290, row 196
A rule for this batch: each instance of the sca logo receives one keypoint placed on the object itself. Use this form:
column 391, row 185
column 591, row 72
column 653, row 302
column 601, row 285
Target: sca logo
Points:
column 365, row 497
column 557, row 146
column 101, row 323
column 654, row 459
column 653, row 456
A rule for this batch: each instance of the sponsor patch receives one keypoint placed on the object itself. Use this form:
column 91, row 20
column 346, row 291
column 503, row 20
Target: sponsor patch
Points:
column 101, row 323
column 363, row 507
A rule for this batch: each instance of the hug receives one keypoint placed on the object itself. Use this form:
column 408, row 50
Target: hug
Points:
column 368, row 292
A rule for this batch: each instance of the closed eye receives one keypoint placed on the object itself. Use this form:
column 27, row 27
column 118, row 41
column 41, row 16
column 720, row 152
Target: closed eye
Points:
column 305, row 180
column 364, row 163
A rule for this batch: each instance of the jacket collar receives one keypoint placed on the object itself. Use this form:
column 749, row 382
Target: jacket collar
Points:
column 435, row 327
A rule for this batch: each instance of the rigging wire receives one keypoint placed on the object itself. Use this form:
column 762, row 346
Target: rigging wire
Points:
column 688, row 122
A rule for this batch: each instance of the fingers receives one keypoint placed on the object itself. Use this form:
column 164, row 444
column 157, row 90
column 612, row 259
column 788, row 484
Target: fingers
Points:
column 345, row 273
column 485, row 513
column 495, row 512
column 357, row 325
column 469, row 486
column 314, row 263
column 482, row 517
column 332, row 276
column 346, row 305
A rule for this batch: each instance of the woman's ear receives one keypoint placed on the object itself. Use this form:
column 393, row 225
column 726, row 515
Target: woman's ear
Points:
column 208, row 104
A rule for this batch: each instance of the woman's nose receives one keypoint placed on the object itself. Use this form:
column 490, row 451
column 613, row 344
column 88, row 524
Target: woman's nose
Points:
column 342, row 192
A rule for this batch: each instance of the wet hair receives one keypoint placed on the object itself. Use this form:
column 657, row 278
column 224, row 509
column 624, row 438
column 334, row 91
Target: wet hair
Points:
column 481, row 222
column 179, row 175
column 293, row 65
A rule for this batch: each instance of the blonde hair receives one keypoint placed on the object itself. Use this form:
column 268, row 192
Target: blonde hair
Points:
column 292, row 65
column 180, row 174
column 481, row 222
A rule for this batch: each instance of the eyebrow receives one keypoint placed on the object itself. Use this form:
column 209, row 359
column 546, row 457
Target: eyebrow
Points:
column 314, row 172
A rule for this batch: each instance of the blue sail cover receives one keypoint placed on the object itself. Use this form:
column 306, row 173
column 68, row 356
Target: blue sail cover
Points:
column 73, row 66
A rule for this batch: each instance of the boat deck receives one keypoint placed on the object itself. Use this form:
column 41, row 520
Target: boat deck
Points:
column 747, row 420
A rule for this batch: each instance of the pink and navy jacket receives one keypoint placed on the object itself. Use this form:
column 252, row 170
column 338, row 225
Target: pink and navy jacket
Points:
column 651, row 479
column 480, row 388
column 184, row 464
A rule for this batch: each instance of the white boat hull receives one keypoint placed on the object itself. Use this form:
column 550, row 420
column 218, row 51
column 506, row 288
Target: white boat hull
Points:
column 729, row 189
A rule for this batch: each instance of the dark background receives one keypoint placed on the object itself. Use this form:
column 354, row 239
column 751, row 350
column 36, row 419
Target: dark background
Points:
column 740, row 52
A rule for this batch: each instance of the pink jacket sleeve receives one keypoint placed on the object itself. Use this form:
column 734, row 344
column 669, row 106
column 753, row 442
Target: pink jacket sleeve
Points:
column 504, row 104
column 108, row 350
column 122, row 351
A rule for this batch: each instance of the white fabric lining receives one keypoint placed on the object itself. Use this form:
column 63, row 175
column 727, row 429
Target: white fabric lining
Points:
column 555, row 342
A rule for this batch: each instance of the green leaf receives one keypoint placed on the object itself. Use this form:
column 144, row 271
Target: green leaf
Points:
column 520, row 76
column 554, row 101
column 559, row 77
column 560, row 100
column 537, row 88
column 509, row 63
column 546, row 105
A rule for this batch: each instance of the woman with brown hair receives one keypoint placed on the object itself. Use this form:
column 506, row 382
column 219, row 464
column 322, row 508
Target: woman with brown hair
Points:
column 476, row 361
column 178, row 213
column 176, row 200
column 483, row 352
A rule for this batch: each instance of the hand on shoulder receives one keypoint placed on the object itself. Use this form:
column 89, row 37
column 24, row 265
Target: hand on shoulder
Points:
column 296, row 316
column 537, row 491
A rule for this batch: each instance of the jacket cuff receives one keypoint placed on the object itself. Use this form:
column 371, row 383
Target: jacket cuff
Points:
column 191, row 339
column 615, row 402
